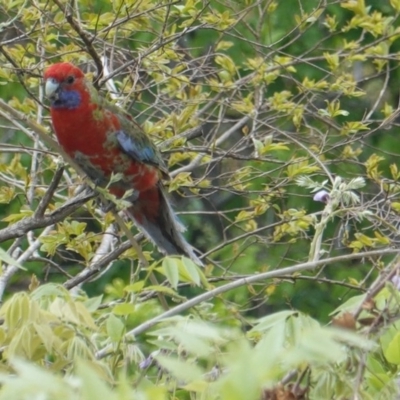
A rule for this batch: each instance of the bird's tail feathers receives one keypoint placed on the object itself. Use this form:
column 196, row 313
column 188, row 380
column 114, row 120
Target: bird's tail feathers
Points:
column 153, row 213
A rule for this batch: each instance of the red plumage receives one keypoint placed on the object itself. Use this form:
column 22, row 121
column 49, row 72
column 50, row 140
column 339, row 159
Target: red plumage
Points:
column 104, row 141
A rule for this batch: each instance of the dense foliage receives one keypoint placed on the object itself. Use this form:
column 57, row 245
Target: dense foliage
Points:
column 279, row 123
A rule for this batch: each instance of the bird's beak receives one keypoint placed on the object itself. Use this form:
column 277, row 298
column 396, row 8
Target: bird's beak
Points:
column 51, row 88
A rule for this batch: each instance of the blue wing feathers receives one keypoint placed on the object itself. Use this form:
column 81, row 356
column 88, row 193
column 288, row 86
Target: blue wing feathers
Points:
column 139, row 151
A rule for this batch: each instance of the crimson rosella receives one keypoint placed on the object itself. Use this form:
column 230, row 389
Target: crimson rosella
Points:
column 103, row 140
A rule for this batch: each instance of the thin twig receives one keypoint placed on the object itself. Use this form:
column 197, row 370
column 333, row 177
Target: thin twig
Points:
column 10, row 270
column 44, row 202
column 87, row 39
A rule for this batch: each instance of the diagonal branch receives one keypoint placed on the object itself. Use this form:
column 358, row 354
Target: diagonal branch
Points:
column 95, row 268
column 20, row 228
column 242, row 282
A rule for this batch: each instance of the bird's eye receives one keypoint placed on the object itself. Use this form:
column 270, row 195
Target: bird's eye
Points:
column 70, row 79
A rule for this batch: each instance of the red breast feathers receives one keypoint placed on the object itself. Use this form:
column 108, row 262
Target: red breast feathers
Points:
column 86, row 128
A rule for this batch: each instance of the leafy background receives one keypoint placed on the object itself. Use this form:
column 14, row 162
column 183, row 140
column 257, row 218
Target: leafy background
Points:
column 257, row 107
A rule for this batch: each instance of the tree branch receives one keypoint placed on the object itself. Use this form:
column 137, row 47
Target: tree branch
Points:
column 242, row 282
column 20, row 228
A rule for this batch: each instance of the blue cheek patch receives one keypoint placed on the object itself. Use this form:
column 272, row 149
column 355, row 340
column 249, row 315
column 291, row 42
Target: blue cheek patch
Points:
column 134, row 148
column 67, row 99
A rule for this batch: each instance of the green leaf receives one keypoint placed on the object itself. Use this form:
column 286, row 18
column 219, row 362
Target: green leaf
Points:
column 395, row 4
column 392, row 351
column 181, row 370
column 224, row 45
column 6, row 258
column 32, row 382
column 91, row 385
column 93, row 303
column 350, row 305
column 316, row 346
column 269, row 321
column 124, row 309
column 49, row 290
column 164, row 289
column 272, row 343
column 47, row 336
column 134, row 287
column 170, row 267
column 7, row 193
column 115, row 328
column 245, row 373
column 190, row 270
column 300, row 167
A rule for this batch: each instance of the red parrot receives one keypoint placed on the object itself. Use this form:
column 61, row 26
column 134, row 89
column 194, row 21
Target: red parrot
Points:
column 103, row 140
